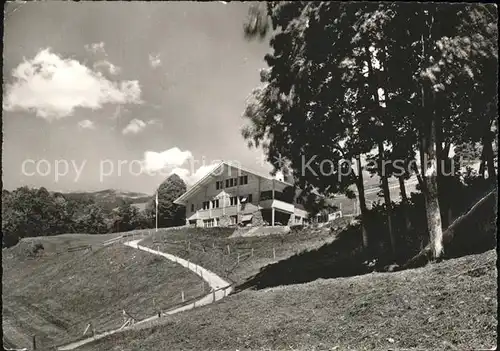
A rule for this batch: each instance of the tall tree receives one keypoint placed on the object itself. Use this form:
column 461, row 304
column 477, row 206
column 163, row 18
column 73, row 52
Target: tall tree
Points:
column 320, row 92
column 170, row 214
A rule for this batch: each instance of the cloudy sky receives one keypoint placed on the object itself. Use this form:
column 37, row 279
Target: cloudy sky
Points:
column 117, row 95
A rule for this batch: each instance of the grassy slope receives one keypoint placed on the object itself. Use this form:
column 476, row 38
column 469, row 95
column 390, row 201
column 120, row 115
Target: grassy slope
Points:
column 450, row 305
column 209, row 249
column 54, row 296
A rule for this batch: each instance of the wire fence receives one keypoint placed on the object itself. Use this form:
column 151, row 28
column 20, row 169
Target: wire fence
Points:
column 183, row 302
column 231, row 258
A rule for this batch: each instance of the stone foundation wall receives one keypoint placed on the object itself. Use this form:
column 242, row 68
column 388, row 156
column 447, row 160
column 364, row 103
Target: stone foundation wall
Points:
column 257, row 219
column 224, row 221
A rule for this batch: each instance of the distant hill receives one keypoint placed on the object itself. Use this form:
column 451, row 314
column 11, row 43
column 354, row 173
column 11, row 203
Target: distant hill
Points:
column 111, row 198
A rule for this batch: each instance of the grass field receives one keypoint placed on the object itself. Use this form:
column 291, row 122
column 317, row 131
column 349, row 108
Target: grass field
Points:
column 209, row 248
column 54, row 295
column 447, row 306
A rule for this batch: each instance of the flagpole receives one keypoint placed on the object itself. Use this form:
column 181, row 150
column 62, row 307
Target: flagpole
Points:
column 156, row 215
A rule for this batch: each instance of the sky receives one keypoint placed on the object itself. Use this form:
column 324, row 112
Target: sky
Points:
column 120, row 95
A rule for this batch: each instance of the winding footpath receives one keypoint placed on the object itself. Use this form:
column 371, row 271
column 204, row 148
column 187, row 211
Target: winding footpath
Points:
column 220, row 287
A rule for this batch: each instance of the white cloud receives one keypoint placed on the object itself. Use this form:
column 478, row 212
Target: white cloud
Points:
column 168, row 159
column 134, row 127
column 181, row 172
column 112, row 69
column 191, row 177
column 53, row 87
column 171, row 161
column 86, row 124
column 154, row 122
column 154, row 61
column 95, row 47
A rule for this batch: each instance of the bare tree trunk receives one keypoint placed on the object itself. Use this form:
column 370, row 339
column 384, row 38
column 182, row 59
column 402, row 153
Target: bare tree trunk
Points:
column 417, row 174
column 426, row 253
column 385, row 185
column 482, row 167
column 362, row 202
column 402, row 189
column 441, row 159
column 488, row 158
column 428, row 108
column 404, row 202
column 430, row 192
column 387, row 196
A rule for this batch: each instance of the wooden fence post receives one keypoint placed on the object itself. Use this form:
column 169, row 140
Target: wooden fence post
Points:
column 182, row 295
column 213, row 291
column 238, row 258
column 228, row 250
column 251, row 254
column 274, row 253
column 189, row 245
column 86, row 329
column 34, row 342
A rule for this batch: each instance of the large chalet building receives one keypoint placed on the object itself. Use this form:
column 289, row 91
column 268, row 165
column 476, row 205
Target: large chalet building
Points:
column 231, row 195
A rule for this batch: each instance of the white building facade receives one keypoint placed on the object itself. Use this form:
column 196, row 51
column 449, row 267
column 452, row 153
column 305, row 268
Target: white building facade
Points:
column 231, row 195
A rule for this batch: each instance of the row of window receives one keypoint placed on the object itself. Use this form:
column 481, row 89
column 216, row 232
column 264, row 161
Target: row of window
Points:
column 212, row 222
column 206, row 204
column 232, row 182
column 233, row 201
column 209, row 223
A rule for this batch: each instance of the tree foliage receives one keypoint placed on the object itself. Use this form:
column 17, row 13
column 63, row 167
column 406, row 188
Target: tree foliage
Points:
column 347, row 78
column 30, row 212
column 169, row 214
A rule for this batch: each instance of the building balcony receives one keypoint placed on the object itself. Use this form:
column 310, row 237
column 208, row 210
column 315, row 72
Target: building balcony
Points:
column 277, row 205
column 221, row 211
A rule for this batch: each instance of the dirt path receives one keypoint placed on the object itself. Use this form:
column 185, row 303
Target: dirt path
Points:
column 211, row 278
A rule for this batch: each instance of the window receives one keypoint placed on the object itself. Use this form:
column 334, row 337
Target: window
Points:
column 249, row 198
column 206, row 205
column 299, row 201
column 243, row 180
column 215, row 203
column 192, row 207
column 297, row 219
column 208, row 223
column 233, row 200
column 219, row 184
column 232, row 182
